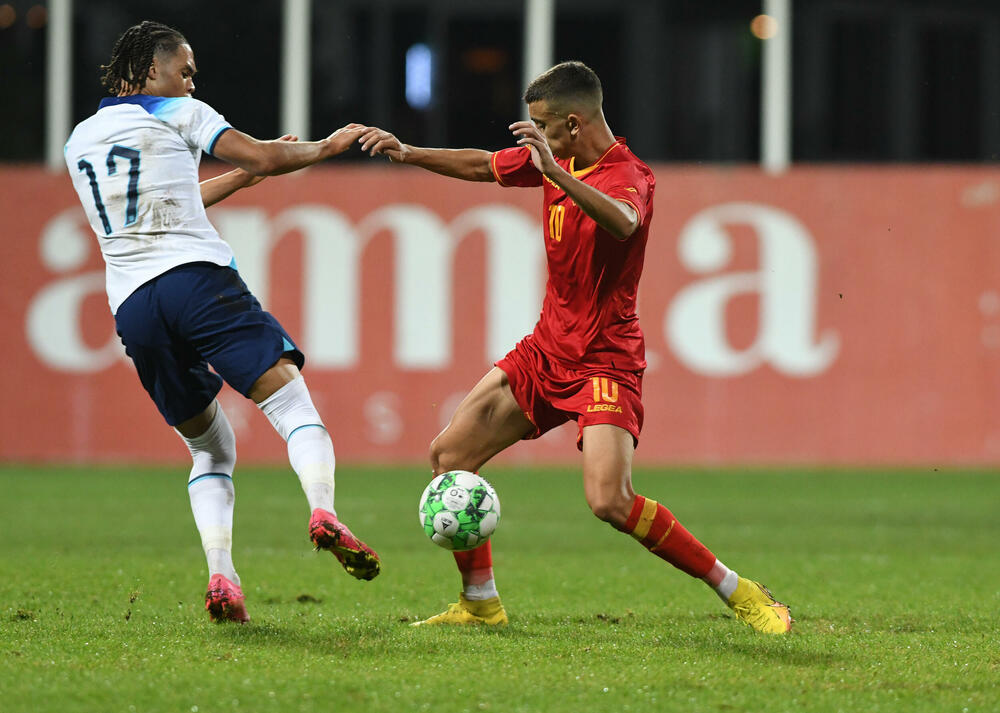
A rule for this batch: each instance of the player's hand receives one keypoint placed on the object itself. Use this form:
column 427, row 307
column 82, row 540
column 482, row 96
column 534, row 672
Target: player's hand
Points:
column 529, row 135
column 376, row 141
column 254, row 180
column 343, row 138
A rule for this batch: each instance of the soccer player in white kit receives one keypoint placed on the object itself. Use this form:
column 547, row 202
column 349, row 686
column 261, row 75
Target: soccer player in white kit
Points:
column 179, row 303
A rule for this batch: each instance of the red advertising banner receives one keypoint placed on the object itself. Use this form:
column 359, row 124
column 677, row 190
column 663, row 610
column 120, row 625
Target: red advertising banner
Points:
column 831, row 315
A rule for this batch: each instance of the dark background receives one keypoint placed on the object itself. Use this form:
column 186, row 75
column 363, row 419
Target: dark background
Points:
column 873, row 80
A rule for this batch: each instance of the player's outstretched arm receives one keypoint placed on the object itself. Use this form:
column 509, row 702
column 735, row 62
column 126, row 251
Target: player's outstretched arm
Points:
column 615, row 216
column 272, row 158
column 467, row 164
column 221, row 187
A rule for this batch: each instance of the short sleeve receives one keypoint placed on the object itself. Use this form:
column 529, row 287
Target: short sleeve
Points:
column 513, row 167
column 635, row 188
column 198, row 124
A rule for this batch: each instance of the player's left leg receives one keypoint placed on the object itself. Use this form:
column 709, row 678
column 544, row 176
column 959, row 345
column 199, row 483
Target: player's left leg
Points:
column 607, row 484
column 283, row 397
column 607, row 479
column 252, row 352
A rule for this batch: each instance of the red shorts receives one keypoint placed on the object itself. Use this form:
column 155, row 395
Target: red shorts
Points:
column 550, row 393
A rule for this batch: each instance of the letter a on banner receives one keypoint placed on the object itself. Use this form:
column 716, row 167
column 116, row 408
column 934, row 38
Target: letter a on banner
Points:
column 786, row 284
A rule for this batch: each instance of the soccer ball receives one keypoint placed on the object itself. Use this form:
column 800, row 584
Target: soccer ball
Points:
column 459, row 510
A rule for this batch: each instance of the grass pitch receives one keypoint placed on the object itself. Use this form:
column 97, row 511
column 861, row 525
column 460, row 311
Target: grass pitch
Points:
column 893, row 579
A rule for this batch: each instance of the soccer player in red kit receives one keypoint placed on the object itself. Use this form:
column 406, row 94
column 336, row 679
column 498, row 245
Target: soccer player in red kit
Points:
column 585, row 358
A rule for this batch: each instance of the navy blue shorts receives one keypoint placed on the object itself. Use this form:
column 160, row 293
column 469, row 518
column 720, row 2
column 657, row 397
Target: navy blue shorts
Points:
column 177, row 324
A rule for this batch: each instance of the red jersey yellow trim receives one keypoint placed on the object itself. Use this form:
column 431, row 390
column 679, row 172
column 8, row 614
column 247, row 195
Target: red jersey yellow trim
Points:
column 493, row 168
column 553, row 183
column 589, row 169
column 628, row 202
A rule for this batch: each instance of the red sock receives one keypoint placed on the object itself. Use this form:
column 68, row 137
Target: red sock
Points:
column 659, row 532
column 475, row 565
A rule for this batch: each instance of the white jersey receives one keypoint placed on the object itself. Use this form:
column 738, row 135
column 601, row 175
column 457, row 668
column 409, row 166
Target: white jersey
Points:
column 134, row 165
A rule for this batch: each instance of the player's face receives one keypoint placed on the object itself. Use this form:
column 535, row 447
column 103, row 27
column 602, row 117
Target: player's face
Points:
column 559, row 130
column 172, row 75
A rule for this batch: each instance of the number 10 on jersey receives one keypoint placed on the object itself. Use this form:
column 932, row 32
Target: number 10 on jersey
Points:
column 557, row 214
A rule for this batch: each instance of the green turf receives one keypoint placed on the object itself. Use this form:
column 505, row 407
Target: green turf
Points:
column 893, row 578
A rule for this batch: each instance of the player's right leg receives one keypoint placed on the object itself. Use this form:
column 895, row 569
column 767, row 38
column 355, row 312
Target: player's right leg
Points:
column 180, row 383
column 487, row 421
column 210, row 439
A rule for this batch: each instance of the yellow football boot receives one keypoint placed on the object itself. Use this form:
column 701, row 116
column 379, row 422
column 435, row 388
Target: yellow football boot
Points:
column 489, row 612
column 754, row 606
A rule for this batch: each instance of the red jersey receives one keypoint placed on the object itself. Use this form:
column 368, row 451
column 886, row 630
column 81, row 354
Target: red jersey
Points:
column 589, row 315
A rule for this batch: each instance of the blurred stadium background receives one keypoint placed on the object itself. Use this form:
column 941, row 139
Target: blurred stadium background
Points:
column 822, row 283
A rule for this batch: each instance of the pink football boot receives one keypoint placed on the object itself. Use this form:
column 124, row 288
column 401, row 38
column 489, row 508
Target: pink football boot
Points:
column 329, row 533
column 224, row 600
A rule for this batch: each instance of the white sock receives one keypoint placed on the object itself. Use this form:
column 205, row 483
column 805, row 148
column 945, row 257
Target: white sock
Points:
column 210, row 487
column 214, row 451
column 212, row 500
column 727, row 586
column 310, row 451
column 478, row 592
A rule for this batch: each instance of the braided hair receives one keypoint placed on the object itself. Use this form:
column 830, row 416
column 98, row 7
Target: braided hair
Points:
column 132, row 55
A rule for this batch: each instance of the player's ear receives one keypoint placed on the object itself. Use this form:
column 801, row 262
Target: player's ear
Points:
column 574, row 124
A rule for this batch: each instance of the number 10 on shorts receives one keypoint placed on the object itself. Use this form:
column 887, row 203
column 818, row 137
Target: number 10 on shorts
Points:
column 601, row 391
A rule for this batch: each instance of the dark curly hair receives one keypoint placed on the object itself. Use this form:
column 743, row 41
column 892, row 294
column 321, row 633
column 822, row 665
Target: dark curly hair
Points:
column 132, row 55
